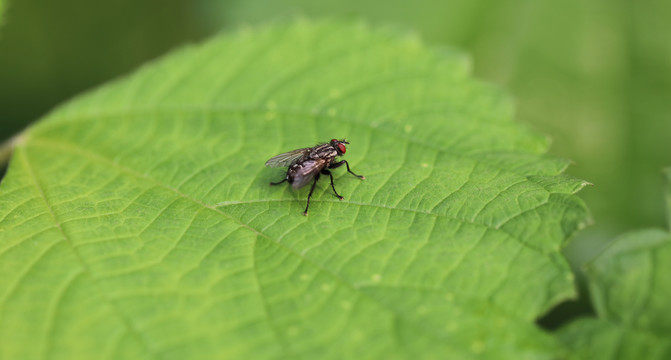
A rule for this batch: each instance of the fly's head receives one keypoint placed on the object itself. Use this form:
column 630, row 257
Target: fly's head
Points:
column 339, row 146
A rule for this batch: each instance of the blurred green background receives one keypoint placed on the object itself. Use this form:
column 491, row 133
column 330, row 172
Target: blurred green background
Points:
column 594, row 75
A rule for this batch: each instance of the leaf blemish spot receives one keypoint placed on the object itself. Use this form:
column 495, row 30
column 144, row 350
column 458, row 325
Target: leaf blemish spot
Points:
column 478, row 346
column 357, row 335
column 376, row 277
column 293, row 331
column 407, row 128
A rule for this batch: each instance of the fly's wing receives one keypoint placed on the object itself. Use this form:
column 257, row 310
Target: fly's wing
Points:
column 286, row 159
column 305, row 172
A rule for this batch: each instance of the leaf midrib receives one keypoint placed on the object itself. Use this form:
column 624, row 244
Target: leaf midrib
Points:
column 74, row 149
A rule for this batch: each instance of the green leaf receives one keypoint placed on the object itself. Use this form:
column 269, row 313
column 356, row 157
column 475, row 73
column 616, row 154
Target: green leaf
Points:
column 137, row 220
column 630, row 284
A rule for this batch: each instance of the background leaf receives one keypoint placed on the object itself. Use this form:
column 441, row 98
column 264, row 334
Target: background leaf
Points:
column 49, row 51
column 137, row 220
column 2, row 13
column 630, row 289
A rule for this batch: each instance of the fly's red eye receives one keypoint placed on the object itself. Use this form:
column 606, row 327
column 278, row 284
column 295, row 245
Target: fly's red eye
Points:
column 342, row 148
column 334, row 140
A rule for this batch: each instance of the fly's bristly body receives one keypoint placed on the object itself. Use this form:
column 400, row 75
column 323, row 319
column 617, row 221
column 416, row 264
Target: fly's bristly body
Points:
column 308, row 164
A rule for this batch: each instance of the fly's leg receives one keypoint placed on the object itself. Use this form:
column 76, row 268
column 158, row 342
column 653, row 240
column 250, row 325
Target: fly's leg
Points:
column 277, row 183
column 339, row 163
column 326, row 172
column 305, row 213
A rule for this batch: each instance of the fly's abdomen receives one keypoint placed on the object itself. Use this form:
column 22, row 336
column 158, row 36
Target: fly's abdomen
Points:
column 302, row 173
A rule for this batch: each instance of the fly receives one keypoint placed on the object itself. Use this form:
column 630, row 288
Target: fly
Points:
column 309, row 163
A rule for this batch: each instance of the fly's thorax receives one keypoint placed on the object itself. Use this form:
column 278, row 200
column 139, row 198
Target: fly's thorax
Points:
column 324, row 151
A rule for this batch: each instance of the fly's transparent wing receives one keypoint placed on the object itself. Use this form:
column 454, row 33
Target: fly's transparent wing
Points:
column 287, row 158
column 306, row 172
